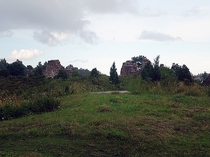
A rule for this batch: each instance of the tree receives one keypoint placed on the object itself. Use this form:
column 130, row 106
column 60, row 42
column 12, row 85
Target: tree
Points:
column 204, row 75
column 62, row 74
column 114, row 79
column 167, row 74
column 75, row 73
column 38, row 71
column 29, row 68
column 138, row 60
column 156, row 61
column 94, row 73
column 147, row 72
column 152, row 71
column 3, row 64
column 4, row 72
column 182, row 72
column 156, row 73
column 17, row 68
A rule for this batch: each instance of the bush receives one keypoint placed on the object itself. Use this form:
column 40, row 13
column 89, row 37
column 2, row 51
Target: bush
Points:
column 43, row 104
column 39, row 105
column 9, row 111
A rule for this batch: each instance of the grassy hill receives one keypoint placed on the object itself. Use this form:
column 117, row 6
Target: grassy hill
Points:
column 105, row 125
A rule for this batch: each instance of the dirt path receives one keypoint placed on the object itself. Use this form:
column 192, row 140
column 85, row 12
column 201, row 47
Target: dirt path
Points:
column 109, row 92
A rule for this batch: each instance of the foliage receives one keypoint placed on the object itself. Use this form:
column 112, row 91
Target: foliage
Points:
column 4, row 72
column 167, row 74
column 156, row 73
column 182, row 72
column 94, row 73
column 43, row 104
column 75, row 73
column 138, row 60
column 62, row 74
column 204, row 75
column 37, row 105
column 17, row 68
column 114, row 79
column 38, row 71
column 151, row 73
column 83, row 72
column 3, row 64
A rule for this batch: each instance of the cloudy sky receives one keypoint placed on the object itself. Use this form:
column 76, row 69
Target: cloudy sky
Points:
column 95, row 33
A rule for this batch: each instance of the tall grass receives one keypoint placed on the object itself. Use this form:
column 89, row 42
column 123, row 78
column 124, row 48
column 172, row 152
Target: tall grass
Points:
column 136, row 85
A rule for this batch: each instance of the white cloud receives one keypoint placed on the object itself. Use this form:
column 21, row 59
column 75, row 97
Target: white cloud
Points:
column 60, row 16
column 112, row 6
column 191, row 30
column 197, row 11
column 88, row 36
column 50, row 38
column 78, row 60
column 192, row 12
column 156, row 36
column 6, row 34
column 24, row 54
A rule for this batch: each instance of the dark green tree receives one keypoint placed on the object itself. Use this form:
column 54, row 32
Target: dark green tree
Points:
column 138, row 60
column 152, row 72
column 147, row 72
column 62, row 74
column 4, row 72
column 156, row 73
column 94, row 73
column 113, row 78
column 182, row 72
column 17, row 68
column 75, row 73
column 38, row 71
column 3, row 64
column 156, row 61
column 84, row 72
column 29, row 68
column 204, row 75
column 156, row 69
column 167, row 74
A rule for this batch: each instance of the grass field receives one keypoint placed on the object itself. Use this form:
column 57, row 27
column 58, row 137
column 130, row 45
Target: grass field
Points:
column 103, row 125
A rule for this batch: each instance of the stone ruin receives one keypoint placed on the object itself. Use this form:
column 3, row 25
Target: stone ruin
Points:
column 70, row 68
column 130, row 68
column 206, row 82
column 52, row 68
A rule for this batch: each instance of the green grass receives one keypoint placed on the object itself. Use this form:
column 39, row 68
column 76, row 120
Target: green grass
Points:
column 113, row 125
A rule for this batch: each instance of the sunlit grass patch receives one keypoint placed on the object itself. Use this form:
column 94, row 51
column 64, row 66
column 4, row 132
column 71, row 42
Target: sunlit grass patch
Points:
column 104, row 108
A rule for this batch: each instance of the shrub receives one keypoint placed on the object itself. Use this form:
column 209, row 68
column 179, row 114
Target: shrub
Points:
column 44, row 104
column 39, row 105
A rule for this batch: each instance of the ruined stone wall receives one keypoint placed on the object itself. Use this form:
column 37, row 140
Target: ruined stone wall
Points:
column 128, row 68
column 52, row 68
column 206, row 82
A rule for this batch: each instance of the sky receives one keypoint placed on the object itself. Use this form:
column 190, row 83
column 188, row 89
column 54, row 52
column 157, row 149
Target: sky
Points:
column 95, row 33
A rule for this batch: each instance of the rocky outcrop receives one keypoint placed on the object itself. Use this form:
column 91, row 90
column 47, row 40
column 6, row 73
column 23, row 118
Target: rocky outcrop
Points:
column 52, row 68
column 129, row 68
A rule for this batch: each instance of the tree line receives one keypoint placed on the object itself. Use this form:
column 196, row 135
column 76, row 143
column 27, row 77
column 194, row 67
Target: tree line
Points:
column 155, row 72
column 150, row 71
